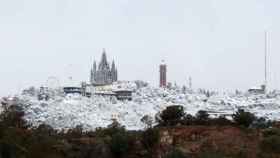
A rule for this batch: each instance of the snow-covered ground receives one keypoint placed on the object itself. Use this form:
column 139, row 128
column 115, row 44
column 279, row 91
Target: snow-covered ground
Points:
column 67, row 112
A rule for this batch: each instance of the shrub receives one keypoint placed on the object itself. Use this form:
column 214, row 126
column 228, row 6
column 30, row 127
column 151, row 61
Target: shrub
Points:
column 188, row 120
column 172, row 115
column 150, row 137
column 271, row 132
column 243, row 118
column 13, row 117
column 202, row 117
column 114, row 127
column 7, row 150
column 116, row 137
column 261, row 123
column 175, row 153
column 45, row 130
column 12, row 143
column 271, row 144
column 119, row 143
column 211, row 154
column 76, row 132
column 221, row 121
column 271, row 141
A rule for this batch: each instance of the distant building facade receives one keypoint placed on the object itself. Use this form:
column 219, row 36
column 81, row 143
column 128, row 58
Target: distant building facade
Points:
column 258, row 90
column 162, row 71
column 103, row 74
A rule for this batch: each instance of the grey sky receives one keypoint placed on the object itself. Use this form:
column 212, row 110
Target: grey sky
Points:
column 220, row 43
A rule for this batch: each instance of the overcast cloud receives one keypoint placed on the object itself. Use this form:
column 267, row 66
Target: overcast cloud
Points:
column 220, row 43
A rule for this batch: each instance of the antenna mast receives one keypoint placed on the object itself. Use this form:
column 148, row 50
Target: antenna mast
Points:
column 190, row 82
column 265, row 59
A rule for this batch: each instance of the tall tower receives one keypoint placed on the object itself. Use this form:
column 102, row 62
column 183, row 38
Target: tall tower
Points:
column 265, row 58
column 162, row 71
column 190, row 82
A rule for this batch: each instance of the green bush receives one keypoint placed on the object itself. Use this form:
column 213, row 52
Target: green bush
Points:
column 202, row 118
column 8, row 150
column 221, row 121
column 175, row 153
column 116, row 137
column 271, row 132
column 262, row 123
column 271, row 144
column 172, row 115
column 188, row 120
column 119, row 143
column 150, row 137
column 271, row 141
column 76, row 132
column 243, row 118
column 211, row 154
column 13, row 117
column 114, row 127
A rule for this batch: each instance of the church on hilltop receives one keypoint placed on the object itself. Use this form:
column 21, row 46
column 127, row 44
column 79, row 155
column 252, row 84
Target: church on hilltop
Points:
column 105, row 73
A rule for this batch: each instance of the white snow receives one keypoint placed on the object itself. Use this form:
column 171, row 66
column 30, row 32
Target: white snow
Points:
column 68, row 112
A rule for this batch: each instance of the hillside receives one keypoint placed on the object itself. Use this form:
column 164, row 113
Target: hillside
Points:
column 67, row 112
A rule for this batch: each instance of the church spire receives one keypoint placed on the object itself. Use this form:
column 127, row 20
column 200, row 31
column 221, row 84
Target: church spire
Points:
column 94, row 66
column 116, row 74
column 105, row 72
column 91, row 76
column 104, row 56
column 113, row 68
column 104, row 63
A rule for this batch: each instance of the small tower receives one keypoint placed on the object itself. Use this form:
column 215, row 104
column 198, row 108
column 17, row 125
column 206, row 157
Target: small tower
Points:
column 113, row 72
column 162, row 71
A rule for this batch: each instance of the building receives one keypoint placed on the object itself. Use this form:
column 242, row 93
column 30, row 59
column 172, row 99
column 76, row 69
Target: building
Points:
column 162, row 71
column 83, row 89
column 104, row 74
column 72, row 90
column 258, row 90
column 123, row 94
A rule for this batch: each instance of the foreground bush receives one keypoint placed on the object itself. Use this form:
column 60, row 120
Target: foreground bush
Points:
column 19, row 141
column 150, row 138
column 13, row 117
column 175, row 153
column 202, row 118
column 113, row 128
column 243, row 118
column 271, row 142
column 262, row 123
column 119, row 144
column 210, row 154
column 171, row 116
column 221, row 121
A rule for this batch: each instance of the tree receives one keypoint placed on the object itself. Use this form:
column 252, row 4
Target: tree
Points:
column 243, row 118
column 13, row 117
column 271, row 144
column 119, row 143
column 221, row 121
column 262, row 123
column 175, row 153
column 202, row 117
column 188, row 120
column 172, row 115
column 150, row 137
column 271, row 141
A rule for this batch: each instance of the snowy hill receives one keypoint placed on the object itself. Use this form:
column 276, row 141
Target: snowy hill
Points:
column 67, row 112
